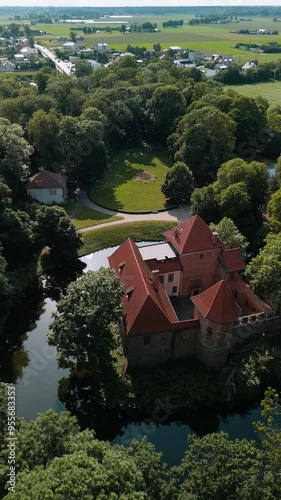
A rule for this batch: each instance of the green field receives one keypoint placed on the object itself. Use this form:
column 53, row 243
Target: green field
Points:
column 119, row 190
column 105, row 237
column 270, row 91
column 207, row 38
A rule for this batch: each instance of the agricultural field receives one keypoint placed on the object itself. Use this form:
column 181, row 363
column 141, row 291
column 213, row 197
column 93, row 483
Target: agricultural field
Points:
column 132, row 182
column 270, row 91
column 208, row 38
column 212, row 38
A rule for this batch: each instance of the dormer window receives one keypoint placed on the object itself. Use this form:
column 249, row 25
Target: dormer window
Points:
column 121, row 265
column 129, row 292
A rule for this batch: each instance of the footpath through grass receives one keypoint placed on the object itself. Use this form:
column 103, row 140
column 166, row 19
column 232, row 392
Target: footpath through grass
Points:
column 120, row 190
column 86, row 217
column 270, row 91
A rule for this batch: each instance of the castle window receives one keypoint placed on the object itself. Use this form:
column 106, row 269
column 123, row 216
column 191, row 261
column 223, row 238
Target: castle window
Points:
column 174, row 289
column 170, row 278
column 209, row 332
column 147, row 340
column 201, row 256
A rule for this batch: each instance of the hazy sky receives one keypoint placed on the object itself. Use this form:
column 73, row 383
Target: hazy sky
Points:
column 133, row 3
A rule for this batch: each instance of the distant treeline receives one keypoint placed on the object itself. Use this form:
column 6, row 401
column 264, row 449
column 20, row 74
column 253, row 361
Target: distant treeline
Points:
column 172, row 24
column 263, row 73
column 207, row 20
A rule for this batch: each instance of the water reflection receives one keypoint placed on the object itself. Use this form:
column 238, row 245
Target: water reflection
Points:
column 28, row 361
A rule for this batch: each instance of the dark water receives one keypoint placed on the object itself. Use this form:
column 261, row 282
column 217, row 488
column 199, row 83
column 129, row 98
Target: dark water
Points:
column 28, row 361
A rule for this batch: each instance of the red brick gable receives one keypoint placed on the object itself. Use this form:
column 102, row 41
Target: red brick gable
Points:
column 193, row 235
column 146, row 309
column 47, row 180
column 217, row 304
column 233, row 260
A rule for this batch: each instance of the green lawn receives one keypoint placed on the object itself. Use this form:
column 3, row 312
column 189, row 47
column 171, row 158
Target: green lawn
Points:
column 105, row 237
column 86, row 216
column 270, row 91
column 119, row 190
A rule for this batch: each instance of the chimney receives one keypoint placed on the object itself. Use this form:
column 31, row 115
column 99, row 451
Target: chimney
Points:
column 176, row 232
column 214, row 238
column 155, row 279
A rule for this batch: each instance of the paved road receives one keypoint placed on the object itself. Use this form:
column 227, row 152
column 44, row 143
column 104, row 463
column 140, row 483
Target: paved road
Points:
column 175, row 214
column 60, row 65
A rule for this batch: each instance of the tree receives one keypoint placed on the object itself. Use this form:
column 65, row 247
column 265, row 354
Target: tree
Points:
column 205, row 202
column 255, row 176
column 81, row 329
column 53, row 228
column 164, row 108
column 5, row 197
column 14, row 155
column 154, row 471
column 235, row 201
column 72, row 35
column 264, row 271
column 43, row 129
column 249, row 116
column 217, row 468
column 16, row 229
column 178, row 184
column 112, row 475
column 82, row 68
column 274, row 207
column 83, row 152
column 278, row 171
column 56, row 460
column 7, row 289
column 204, row 139
column 270, row 429
column 230, row 234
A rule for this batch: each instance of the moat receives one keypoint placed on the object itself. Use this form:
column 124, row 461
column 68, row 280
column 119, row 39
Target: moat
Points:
column 31, row 364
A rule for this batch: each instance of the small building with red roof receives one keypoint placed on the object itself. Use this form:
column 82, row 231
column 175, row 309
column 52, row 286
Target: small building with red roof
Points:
column 48, row 187
column 185, row 297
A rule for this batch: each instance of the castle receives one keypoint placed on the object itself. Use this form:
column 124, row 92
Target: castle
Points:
column 186, row 298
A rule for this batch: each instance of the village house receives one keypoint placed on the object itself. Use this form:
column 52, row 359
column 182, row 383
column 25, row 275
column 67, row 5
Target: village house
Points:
column 186, row 298
column 6, row 65
column 70, row 46
column 48, row 187
column 249, row 65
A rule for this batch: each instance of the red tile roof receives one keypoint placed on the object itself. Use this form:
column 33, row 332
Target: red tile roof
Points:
column 47, row 180
column 168, row 266
column 233, row 260
column 217, row 304
column 146, row 310
column 193, row 235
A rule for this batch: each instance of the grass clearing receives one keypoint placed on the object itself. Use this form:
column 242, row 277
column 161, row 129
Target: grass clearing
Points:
column 270, row 91
column 105, row 237
column 86, row 217
column 119, row 190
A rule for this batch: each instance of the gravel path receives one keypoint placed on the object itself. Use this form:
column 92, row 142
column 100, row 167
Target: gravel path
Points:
column 175, row 214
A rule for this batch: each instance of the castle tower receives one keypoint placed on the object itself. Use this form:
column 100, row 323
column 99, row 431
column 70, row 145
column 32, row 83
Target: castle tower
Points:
column 217, row 312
